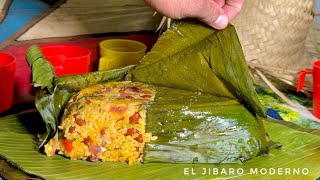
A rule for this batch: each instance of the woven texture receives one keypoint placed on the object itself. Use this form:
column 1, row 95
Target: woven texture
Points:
column 274, row 33
column 313, row 40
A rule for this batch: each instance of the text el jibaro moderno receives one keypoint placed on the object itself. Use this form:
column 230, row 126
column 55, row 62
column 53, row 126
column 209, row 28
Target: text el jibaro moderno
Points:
column 240, row 171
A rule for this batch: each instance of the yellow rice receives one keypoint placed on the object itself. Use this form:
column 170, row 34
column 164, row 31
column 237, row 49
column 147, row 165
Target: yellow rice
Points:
column 105, row 122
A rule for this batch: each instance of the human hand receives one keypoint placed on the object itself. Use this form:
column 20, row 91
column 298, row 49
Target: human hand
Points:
column 216, row 13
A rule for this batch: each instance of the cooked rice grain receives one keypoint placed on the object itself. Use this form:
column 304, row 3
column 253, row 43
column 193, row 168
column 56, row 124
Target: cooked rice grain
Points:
column 105, row 122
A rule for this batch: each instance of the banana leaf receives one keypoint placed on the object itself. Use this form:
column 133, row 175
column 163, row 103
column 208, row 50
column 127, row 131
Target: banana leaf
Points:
column 42, row 71
column 195, row 57
column 300, row 150
column 194, row 127
column 53, row 93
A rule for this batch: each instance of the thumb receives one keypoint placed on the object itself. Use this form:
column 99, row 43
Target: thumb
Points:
column 214, row 16
column 207, row 11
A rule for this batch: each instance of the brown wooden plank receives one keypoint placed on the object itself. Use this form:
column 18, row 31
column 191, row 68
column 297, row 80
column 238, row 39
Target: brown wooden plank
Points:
column 80, row 17
column 12, row 39
column 5, row 9
column 83, row 37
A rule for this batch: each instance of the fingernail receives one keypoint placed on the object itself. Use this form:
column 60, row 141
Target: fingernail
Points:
column 221, row 22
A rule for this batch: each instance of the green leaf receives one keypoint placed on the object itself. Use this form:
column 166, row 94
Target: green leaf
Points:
column 300, row 149
column 53, row 93
column 201, row 128
column 42, row 70
column 51, row 107
column 77, row 82
column 192, row 56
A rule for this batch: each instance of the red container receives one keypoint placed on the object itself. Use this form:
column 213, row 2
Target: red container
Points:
column 315, row 72
column 68, row 60
column 7, row 70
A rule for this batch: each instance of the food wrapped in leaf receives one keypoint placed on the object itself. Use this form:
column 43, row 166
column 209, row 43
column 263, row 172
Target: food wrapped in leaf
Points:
column 192, row 102
column 134, row 122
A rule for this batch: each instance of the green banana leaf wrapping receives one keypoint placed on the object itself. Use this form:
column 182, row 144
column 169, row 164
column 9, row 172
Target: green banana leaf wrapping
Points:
column 195, row 57
column 55, row 92
column 204, row 113
column 194, row 127
column 42, row 71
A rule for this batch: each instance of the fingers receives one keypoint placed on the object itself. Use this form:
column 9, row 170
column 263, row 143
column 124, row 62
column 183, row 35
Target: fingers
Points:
column 232, row 8
column 213, row 12
column 208, row 11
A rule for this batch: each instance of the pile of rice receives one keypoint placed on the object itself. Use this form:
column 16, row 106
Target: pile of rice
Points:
column 105, row 122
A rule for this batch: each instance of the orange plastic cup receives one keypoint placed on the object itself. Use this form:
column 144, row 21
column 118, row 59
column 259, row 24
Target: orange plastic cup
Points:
column 7, row 70
column 68, row 60
column 315, row 72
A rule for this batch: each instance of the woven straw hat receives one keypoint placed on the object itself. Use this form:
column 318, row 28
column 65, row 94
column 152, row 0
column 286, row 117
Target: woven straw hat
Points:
column 275, row 38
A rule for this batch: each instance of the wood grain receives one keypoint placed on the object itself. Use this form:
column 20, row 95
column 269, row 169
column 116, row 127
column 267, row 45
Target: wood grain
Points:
column 4, row 10
column 81, row 17
column 25, row 28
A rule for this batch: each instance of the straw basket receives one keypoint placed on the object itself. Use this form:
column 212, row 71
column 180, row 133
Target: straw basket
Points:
column 313, row 39
column 275, row 38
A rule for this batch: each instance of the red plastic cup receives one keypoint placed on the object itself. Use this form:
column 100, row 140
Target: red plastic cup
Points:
column 68, row 60
column 7, row 70
column 315, row 72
